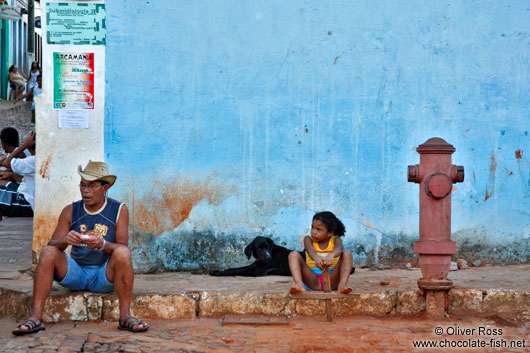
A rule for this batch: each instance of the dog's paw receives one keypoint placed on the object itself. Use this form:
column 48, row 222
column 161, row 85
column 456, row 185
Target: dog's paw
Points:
column 214, row 272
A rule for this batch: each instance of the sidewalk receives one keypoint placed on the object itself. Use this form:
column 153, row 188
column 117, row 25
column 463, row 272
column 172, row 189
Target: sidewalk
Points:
column 496, row 291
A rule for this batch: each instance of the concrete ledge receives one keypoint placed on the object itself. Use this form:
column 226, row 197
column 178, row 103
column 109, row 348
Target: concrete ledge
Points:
column 489, row 302
column 14, row 303
column 83, row 306
column 495, row 291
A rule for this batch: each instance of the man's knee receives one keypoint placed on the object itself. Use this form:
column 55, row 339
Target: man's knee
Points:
column 49, row 253
column 347, row 254
column 122, row 255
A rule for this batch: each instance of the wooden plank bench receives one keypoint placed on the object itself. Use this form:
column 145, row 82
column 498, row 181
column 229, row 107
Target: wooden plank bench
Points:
column 327, row 295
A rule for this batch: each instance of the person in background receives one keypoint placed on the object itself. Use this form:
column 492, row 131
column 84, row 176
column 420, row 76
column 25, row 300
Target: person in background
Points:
column 19, row 203
column 9, row 181
column 32, row 78
column 33, row 92
column 17, row 80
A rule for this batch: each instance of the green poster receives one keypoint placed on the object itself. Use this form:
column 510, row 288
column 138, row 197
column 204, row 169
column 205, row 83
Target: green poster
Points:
column 73, row 86
column 75, row 23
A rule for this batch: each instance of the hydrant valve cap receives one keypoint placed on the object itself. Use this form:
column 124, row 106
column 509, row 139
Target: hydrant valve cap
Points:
column 414, row 173
column 439, row 185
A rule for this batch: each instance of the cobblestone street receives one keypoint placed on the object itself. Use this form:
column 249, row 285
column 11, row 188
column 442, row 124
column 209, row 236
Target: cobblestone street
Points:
column 302, row 334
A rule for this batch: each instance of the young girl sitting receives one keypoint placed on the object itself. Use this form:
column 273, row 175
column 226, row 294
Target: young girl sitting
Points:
column 323, row 249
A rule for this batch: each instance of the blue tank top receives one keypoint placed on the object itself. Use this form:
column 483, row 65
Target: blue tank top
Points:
column 101, row 223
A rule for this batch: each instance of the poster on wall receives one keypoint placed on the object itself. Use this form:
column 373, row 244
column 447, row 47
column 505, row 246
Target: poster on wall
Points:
column 73, row 80
column 75, row 23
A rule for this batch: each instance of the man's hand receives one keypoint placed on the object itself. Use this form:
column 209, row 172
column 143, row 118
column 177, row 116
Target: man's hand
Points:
column 29, row 140
column 92, row 241
column 73, row 238
column 5, row 175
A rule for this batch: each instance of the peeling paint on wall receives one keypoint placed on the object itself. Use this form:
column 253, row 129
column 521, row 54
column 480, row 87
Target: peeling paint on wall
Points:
column 294, row 120
column 43, row 227
column 165, row 205
column 44, row 167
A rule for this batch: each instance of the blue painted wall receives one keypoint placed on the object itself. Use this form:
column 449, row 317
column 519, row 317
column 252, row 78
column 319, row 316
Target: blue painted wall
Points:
column 227, row 120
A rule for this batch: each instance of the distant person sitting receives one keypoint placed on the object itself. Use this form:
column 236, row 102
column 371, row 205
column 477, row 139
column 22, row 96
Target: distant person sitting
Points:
column 19, row 203
column 9, row 139
column 32, row 92
column 17, row 80
column 10, row 181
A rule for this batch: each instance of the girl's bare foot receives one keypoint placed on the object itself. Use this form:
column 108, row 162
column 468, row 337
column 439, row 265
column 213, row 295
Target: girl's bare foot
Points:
column 342, row 288
column 297, row 288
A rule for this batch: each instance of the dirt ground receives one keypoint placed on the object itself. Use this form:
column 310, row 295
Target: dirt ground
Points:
column 301, row 334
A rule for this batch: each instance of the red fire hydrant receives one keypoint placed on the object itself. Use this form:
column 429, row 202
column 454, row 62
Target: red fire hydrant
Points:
column 436, row 175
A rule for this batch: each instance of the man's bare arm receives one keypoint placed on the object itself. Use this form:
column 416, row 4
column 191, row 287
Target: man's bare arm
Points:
column 62, row 235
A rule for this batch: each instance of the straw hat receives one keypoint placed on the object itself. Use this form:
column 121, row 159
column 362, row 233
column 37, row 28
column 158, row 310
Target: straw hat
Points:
column 97, row 171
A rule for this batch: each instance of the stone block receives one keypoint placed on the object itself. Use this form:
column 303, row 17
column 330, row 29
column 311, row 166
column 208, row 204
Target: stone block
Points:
column 462, row 264
column 465, row 302
column 111, row 309
column 94, row 304
column 153, row 306
column 498, row 302
column 216, row 304
column 71, row 306
column 14, row 304
column 409, row 303
column 369, row 304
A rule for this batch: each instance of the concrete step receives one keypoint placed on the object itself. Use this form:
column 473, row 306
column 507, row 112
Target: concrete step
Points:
column 183, row 295
column 9, row 110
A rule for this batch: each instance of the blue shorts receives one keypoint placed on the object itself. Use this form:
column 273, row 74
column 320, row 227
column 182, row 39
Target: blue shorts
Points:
column 91, row 278
column 318, row 272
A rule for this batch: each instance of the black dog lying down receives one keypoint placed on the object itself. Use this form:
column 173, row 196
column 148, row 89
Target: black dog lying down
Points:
column 271, row 259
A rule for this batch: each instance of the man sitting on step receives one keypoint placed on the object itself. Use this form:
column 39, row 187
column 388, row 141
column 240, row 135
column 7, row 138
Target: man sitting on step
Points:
column 17, row 200
column 97, row 228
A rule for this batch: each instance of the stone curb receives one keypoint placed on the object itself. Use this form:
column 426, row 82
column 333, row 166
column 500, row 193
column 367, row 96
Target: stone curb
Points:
column 9, row 111
column 83, row 306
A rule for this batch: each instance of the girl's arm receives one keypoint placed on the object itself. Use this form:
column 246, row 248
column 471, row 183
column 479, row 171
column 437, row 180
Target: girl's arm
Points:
column 308, row 245
column 337, row 251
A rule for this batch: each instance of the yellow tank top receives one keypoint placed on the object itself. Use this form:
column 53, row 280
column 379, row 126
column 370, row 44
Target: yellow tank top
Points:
column 322, row 253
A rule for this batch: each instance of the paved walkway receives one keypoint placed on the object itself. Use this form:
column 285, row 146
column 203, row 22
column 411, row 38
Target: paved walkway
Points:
column 313, row 334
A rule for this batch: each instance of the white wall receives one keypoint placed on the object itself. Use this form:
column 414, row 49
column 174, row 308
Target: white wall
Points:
column 60, row 151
